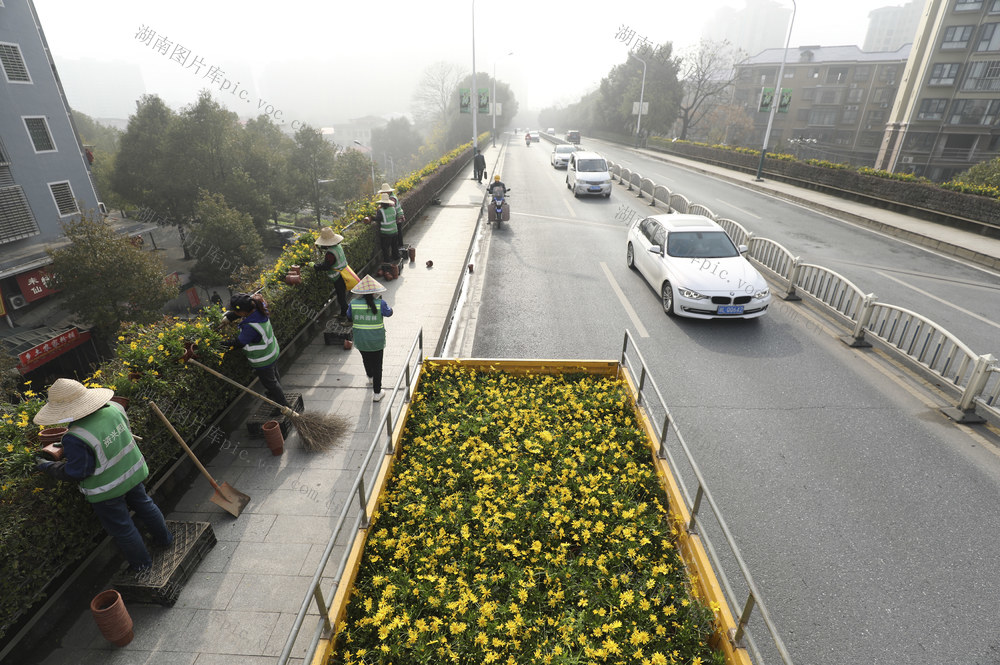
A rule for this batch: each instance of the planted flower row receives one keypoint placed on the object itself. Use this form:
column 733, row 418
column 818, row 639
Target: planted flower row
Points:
column 524, row 523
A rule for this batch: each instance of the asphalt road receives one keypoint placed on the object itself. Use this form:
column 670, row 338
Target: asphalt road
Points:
column 868, row 519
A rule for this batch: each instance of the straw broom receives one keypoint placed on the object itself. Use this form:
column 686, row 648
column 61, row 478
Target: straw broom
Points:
column 318, row 431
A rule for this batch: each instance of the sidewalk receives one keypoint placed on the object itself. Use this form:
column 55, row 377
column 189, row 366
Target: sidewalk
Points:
column 240, row 603
column 971, row 246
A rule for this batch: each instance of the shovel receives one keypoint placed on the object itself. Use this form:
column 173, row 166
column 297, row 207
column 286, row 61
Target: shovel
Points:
column 226, row 496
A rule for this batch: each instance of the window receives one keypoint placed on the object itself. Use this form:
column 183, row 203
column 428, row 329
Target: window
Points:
column 38, row 130
column 882, row 95
column 989, row 38
column 876, row 117
column 802, row 115
column 862, row 73
column 13, row 63
column 984, row 75
column 809, row 94
column 16, row 220
column 822, row 117
column 889, row 72
column 943, row 74
column 836, row 75
column 974, row 112
column 968, row 5
column 854, row 95
column 932, row 109
column 62, row 193
column 995, row 7
column 850, row 115
column 956, row 37
column 814, row 73
column 828, row 97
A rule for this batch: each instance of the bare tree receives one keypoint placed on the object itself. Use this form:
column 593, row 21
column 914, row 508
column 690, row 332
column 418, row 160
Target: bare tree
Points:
column 706, row 71
column 436, row 93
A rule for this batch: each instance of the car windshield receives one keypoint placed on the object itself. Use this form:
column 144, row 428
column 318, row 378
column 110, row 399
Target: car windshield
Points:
column 591, row 165
column 565, row 148
column 701, row 244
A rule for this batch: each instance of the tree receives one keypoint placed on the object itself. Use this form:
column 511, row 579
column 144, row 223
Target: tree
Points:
column 312, row 160
column 707, row 73
column 96, row 134
column 728, row 124
column 435, row 94
column 623, row 86
column 139, row 167
column 266, row 154
column 352, row 173
column 223, row 240
column 460, row 124
column 107, row 280
column 986, row 174
column 398, row 144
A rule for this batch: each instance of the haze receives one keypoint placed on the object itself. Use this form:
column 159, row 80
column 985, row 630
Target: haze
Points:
column 326, row 62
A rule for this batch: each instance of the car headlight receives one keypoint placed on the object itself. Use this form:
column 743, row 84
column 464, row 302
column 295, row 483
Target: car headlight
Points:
column 691, row 295
column 763, row 293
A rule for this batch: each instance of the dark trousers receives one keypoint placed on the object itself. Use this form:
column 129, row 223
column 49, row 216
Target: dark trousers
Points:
column 373, row 367
column 479, row 174
column 390, row 246
column 341, row 290
column 115, row 519
column 270, row 380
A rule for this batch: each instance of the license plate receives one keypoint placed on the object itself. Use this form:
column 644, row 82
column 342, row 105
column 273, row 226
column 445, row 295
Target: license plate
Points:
column 593, row 189
column 730, row 309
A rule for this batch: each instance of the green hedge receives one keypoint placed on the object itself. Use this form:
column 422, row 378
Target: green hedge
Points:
column 46, row 526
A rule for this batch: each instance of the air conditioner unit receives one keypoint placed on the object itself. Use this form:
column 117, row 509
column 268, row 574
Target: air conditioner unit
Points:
column 17, row 301
column 906, row 159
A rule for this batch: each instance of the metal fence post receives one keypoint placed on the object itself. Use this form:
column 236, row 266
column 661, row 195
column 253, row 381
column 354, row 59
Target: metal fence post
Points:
column 364, row 504
column 324, row 611
column 965, row 412
column 793, row 277
column 857, row 338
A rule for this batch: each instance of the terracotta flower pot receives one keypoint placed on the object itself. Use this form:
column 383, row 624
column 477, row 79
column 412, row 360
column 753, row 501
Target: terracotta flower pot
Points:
column 273, row 437
column 348, row 345
column 51, row 435
column 293, row 278
column 412, row 251
column 112, row 617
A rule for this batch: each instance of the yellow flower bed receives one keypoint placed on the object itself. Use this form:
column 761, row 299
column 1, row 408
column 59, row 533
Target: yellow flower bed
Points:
column 524, row 523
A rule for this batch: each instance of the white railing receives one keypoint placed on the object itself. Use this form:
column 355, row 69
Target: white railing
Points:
column 679, row 203
column 736, row 231
column 699, row 209
column 830, row 288
column 771, row 255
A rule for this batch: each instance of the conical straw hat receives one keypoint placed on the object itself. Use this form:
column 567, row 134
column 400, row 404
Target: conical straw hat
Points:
column 70, row 400
column 368, row 285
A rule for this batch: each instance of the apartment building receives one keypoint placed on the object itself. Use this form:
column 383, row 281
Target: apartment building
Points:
column 841, row 99
column 891, row 27
column 947, row 115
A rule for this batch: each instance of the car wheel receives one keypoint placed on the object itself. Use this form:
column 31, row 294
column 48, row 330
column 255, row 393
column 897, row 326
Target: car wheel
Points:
column 567, row 182
column 630, row 257
column 667, row 297
column 576, row 194
column 608, row 195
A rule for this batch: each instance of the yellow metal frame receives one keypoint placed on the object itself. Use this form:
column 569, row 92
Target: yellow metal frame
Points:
column 690, row 545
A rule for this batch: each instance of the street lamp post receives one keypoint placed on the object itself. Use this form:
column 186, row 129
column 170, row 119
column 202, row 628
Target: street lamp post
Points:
column 474, row 97
column 642, row 93
column 371, row 161
column 495, row 100
column 776, row 100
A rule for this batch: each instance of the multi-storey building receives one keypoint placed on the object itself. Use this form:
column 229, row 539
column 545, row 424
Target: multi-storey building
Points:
column 892, row 27
column 841, row 99
column 45, row 174
column 759, row 25
column 947, row 115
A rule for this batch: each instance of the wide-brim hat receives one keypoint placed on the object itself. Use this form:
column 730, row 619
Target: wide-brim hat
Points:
column 368, row 285
column 328, row 237
column 386, row 189
column 384, row 199
column 70, row 400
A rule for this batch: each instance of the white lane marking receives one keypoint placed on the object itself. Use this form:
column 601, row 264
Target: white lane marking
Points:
column 745, row 212
column 641, row 329
column 572, row 212
column 563, row 219
column 940, row 300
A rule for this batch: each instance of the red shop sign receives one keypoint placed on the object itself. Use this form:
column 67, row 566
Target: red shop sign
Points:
column 39, row 355
column 35, row 284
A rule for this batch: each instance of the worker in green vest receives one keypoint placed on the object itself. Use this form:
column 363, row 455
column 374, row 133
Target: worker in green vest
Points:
column 258, row 342
column 367, row 312
column 101, row 454
column 400, row 217
column 334, row 260
column 388, row 228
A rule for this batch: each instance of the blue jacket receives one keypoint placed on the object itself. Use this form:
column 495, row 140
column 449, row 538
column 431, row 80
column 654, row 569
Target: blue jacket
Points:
column 249, row 334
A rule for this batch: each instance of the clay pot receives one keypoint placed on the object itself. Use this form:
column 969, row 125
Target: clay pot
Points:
column 470, row 267
column 412, row 252
column 430, row 264
column 121, row 400
column 293, row 278
column 112, row 618
column 348, row 345
column 273, row 437
column 51, row 435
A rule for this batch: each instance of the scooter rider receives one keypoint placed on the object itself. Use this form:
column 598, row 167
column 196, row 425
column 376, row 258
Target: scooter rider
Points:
column 527, row 140
column 498, row 190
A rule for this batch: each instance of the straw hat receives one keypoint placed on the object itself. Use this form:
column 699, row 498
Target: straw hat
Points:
column 385, row 200
column 386, row 189
column 368, row 285
column 328, row 237
column 70, row 400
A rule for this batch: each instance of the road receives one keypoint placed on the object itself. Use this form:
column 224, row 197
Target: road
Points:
column 868, row 519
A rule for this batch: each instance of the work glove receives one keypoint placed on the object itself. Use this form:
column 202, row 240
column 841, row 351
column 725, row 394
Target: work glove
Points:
column 50, row 468
column 231, row 316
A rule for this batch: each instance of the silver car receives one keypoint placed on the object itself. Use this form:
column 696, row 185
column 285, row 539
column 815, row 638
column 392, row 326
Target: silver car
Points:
column 696, row 268
column 560, row 155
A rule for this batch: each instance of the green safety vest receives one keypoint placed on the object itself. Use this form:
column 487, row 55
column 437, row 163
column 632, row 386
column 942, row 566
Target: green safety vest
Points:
column 264, row 352
column 369, row 329
column 339, row 262
column 388, row 225
column 120, row 466
column 399, row 208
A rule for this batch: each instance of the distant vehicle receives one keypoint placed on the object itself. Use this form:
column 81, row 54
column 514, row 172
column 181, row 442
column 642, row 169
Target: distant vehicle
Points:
column 535, row 136
column 573, row 136
column 277, row 236
column 696, row 268
column 550, row 130
column 587, row 173
column 560, row 155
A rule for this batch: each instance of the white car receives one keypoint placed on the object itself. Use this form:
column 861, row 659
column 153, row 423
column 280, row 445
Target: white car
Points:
column 696, row 268
column 560, row 155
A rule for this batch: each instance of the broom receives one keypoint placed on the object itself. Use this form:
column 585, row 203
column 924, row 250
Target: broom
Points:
column 318, row 431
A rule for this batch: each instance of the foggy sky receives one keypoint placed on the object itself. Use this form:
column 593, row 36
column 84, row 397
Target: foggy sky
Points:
column 326, row 62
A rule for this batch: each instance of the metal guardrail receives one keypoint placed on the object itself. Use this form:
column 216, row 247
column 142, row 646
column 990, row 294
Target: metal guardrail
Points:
column 743, row 636
column 679, row 202
column 736, row 231
column 385, row 428
column 699, row 209
column 830, row 288
column 772, row 255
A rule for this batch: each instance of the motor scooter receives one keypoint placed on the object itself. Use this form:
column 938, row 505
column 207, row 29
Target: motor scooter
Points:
column 499, row 210
column 527, row 140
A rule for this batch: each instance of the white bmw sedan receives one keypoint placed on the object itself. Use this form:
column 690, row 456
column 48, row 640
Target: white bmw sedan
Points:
column 697, row 269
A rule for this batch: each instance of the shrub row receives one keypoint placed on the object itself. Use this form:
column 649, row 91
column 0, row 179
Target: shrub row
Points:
column 47, row 526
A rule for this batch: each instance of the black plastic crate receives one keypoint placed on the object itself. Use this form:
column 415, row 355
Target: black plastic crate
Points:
column 265, row 412
column 172, row 567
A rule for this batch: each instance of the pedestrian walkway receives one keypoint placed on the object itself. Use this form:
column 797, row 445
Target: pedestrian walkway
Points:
column 240, row 604
column 972, row 246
